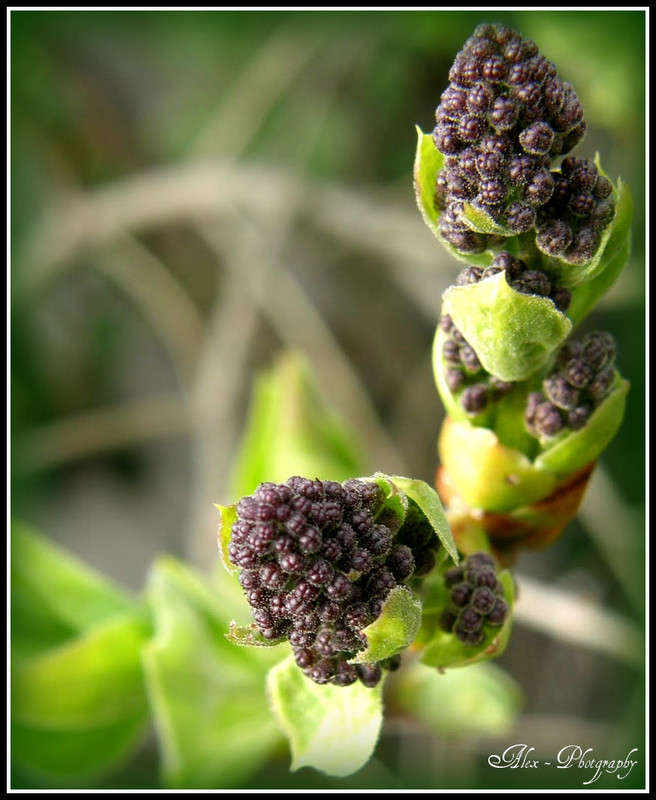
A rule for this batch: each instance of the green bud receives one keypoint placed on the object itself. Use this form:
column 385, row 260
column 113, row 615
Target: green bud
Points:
column 467, row 613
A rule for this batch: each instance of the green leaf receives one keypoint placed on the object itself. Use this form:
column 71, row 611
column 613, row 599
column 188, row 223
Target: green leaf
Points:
column 77, row 757
column 576, row 449
column 249, row 636
column 396, row 502
column 481, row 700
column 479, row 221
column 487, row 474
column 54, row 595
column 429, row 503
column 513, row 333
column 207, row 696
column 68, row 699
column 428, row 162
column 445, row 650
column 78, row 700
column 331, row 728
column 290, row 430
column 227, row 516
column 94, row 679
column 394, row 630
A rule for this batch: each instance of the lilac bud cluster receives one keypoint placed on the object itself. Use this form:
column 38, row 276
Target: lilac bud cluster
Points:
column 520, row 278
column 581, row 379
column 581, row 206
column 317, row 560
column 464, row 374
column 504, row 117
column 476, row 599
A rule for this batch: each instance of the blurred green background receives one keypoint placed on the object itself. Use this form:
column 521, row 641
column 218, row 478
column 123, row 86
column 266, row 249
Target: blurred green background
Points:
column 194, row 193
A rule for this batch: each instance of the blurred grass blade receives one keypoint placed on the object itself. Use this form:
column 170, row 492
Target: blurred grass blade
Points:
column 291, row 431
column 207, row 696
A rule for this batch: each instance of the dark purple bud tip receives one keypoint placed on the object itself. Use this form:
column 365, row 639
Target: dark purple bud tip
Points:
column 480, row 559
column 561, row 297
column 346, row 674
column 560, row 392
column 470, row 360
column 483, row 600
column 474, row 398
column 601, row 384
column 471, row 638
column 497, row 616
column 579, row 373
column 599, row 349
column 424, row 562
column 369, row 674
column 578, row 417
column 520, row 217
column 453, row 575
column 448, row 620
column 469, row 621
column 537, row 138
column 548, row 420
column 461, row 594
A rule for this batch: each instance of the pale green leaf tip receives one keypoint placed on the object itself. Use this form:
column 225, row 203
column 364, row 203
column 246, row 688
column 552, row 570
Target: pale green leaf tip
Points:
column 395, row 629
column 479, row 221
column 430, row 504
column 333, row 729
column 249, row 636
column 227, row 515
column 512, row 333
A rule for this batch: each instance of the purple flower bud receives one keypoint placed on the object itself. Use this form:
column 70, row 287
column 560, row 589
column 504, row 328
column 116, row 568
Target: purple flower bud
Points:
column 461, row 594
column 537, row 138
column 479, row 98
column 599, row 349
column 492, row 191
column 494, row 69
column 504, row 114
column 561, row 393
column 474, row 398
column 483, row 600
column 548, row 420
column 520, row 217
column 554, row 237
